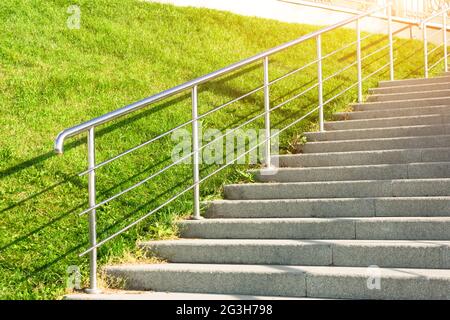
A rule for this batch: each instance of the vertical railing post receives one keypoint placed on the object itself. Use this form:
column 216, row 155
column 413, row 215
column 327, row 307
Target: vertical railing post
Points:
column 267, row 155
column 195, row 154
column 92, row 214
column 425, row 49
column 444, row 23
column 320, row 80
column 358, row 58
column 391, row 42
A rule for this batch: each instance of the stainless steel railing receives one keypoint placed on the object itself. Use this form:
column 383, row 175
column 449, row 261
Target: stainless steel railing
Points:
column 443, row 14
column 192, row 86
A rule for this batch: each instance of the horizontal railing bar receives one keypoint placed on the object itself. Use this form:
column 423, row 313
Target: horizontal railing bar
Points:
column 376, row 71
column 258, row 144
column 295, row 97
column 346, row 46
column 315, row 61
column 434, row 49
column 136, row 222
column 192, row 186
column 338, row 50
column 230, row 102
column 340, row 71
column 376, row 51
column 369, row 36
column 59, row 142
column 168, row 132
column 140, row 183
column 294, row 71
column 133, row 149
column 435, row 64
column 340, row 93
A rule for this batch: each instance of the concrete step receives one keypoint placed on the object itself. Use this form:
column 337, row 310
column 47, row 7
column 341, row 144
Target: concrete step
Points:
column 411, row 88
column 295, row 281
column 118, row 295
column 409, row 82
column 398, row 228
column 372, row 133
column 343, row 253
column 410, row 103
column 331, row 208
column 339, row 189
column 432, row 119
column 362, row 172
column 393, row 113
column 398, row 156
column 409, row 95
column 436, row 141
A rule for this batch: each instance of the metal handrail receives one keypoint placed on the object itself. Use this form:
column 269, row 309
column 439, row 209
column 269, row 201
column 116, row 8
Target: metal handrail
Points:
column 444, row 29
column 89, row 126
column 85, row 126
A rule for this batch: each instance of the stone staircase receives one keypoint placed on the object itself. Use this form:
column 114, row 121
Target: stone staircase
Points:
column 373, row 190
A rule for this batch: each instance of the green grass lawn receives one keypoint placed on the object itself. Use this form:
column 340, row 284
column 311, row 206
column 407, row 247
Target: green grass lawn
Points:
column 52, row 77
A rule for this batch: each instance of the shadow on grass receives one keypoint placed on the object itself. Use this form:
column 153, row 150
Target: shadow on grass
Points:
column 219, row 88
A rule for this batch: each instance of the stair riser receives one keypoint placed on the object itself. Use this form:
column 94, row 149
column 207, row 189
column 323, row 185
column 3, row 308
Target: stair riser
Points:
column 293, row 281
column 378, row 133
column 222, row 283
column 345, row 229
column 387, row 106
column 409, row 95
column 316, row 255
column 411, row 89
column 331, row 208
column 389, row 122
column 392, row 289
column 357, row 189
column 405, row 171
column 365, row 158
column 319, row 254
column 406, row 112
column 410, row 82
column 387, row 144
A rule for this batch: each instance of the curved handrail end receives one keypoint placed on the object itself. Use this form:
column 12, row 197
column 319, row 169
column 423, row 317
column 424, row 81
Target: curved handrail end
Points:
column 59, row 142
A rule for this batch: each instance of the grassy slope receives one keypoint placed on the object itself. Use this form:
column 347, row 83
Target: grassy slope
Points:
column 52, row 77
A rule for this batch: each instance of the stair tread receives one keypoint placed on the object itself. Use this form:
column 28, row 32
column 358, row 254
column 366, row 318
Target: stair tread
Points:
column 405, row 273
column 383, row 165
column 411, row 92
column 393, row 109
column 409, row 181
column 152, row 295
column 414, row 87
column 331, row 199
column 381, row 119
column 318, row 220
column 400, row 101
column 383, row 139
column 299, row 242
column 363, row 152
